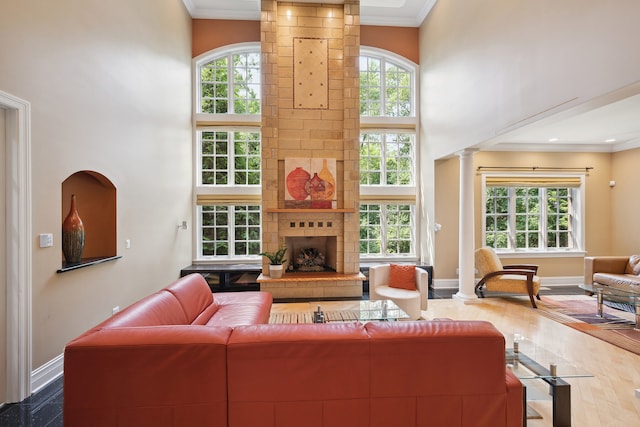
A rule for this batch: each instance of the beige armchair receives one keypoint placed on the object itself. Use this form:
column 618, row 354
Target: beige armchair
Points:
column 412, row 299
column 520, row 278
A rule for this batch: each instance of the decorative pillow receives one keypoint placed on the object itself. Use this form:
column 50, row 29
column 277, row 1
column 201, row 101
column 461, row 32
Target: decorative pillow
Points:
column 402, row 276
column 633, row 266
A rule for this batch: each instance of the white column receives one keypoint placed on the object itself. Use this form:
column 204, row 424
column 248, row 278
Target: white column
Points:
column 466, row 263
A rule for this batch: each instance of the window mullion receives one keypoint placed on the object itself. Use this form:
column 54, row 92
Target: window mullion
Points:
column 383, row 87
column 231, row 81
column 544, row 222
column 383, row 229
column 231, row 165
column 383, row 159
column 231, row 219
column 512, row 218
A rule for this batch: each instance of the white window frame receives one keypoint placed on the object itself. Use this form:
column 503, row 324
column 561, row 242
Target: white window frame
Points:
column 227, row 118
column 577, row 216
column 229, row 194
column 394, row 194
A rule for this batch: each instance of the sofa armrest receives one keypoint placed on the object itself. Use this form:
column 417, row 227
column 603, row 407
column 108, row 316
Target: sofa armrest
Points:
column 516, row 413
column 151, row 373
column 603, row 264
column 422, row 282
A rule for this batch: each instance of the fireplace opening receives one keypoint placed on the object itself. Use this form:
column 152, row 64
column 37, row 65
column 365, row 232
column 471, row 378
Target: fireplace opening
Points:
column 312, row 254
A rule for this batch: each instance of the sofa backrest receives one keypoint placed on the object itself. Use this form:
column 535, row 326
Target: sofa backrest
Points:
column 299, row 372
column 440, row 373
column 160, row 308
column 182, row 303
column 194, row 295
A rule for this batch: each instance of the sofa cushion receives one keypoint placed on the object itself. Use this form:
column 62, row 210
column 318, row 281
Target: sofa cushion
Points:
column 241, row 308
column 193, row 293
column 402, row 276
column 620, row 281
column 633, row 266
column 511, row 283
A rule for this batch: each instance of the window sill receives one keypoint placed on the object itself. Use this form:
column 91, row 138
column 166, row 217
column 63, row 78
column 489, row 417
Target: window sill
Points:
column 86, row 263
column 540, row 254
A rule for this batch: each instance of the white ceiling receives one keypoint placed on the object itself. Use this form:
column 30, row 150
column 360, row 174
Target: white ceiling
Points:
column 399, row 13
column 606, row 125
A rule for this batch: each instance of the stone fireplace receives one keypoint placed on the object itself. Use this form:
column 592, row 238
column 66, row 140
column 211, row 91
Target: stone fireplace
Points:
column 310, row 110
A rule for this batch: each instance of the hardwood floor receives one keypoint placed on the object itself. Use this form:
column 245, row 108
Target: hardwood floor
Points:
column 606, row 399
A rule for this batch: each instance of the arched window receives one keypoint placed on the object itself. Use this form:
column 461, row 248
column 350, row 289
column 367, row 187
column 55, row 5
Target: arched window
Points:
column 228, row 183
column 388, row 165
column 228, row 153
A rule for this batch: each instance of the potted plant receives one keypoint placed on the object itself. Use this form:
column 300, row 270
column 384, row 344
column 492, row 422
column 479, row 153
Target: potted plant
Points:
column 276, row 261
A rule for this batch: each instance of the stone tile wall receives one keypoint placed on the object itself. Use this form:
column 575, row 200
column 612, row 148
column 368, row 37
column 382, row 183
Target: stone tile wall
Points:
column 331, row 131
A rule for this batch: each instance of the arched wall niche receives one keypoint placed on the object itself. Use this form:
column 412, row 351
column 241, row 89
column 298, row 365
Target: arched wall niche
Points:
column 96, row 205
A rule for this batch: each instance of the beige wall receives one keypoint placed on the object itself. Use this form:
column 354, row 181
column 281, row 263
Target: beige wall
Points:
column 486, row 66
column 110, row 90
column 3, row 255
column 599, row 207
column 625, row 225
column 490, row 64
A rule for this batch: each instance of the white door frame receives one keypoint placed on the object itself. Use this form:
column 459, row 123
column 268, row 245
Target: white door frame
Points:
column 18, row 246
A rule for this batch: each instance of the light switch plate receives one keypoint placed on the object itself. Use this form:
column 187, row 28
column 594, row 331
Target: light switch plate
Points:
column 46, row 240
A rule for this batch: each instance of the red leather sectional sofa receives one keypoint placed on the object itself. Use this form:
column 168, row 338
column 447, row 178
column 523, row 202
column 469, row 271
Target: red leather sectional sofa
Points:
column 185, row 357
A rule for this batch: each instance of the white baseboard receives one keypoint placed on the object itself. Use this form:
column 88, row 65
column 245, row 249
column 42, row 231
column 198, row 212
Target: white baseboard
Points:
column 47, row 373
column 544, row 281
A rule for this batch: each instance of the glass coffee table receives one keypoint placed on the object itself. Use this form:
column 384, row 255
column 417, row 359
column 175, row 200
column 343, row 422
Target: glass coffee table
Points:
column 363, row 311
column 543, row 376
column 607, row 293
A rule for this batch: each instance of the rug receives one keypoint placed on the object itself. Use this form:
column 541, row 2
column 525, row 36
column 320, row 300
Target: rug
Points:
column 616, row 327
column 307, row 316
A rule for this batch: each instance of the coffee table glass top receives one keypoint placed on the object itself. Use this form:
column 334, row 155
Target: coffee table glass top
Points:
column 628, row 296
column 540, row 363
column 543, row 374
column 364, row 311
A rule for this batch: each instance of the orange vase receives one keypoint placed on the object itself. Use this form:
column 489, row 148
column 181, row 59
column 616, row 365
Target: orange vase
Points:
column 329, row 181
column 297, row 183
column 73, row 235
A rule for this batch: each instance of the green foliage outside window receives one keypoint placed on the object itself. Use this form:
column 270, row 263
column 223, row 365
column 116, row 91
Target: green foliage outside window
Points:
column 242, row 221
column 216, row 88
column 217, row 150
column 386, row 229
column 385, row 89
column 387, row 159
column 534, row 218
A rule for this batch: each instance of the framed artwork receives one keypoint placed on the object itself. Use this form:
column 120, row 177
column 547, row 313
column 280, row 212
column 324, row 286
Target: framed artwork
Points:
column 310, row 183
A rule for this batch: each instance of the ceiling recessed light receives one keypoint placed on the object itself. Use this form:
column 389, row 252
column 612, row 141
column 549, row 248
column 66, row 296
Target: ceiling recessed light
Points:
column 553, row 139
column 610, row 140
